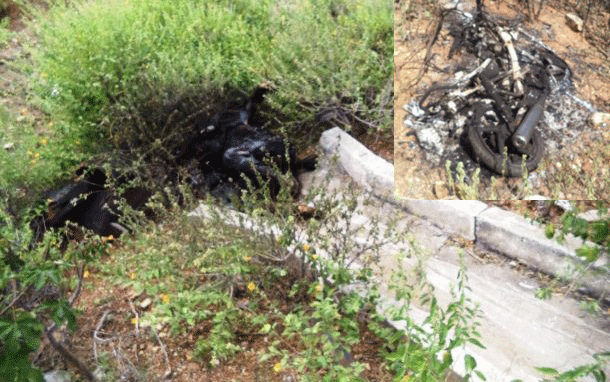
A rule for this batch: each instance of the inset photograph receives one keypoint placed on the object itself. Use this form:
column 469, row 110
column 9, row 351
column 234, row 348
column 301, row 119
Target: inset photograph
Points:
column 501, row 100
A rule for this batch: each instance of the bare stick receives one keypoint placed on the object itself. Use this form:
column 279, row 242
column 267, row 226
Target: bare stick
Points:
column 135, row 312
column 69, row 356
column 96, row 337
column 79, row 285
column 169, row 371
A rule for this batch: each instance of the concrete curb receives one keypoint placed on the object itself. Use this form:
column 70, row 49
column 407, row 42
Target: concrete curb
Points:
column 493, row 228
column 513, row 236
column 366, row 168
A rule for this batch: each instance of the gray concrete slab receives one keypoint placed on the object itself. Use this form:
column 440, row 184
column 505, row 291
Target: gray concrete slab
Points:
column 520, row 331
column 455, row 216
column 513, row 236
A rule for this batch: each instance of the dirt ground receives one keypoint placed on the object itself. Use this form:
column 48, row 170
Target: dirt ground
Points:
column 419, row 178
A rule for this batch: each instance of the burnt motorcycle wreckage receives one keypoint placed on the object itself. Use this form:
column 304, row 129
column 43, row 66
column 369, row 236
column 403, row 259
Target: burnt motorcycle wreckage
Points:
column 220, row 155
column 502, row 99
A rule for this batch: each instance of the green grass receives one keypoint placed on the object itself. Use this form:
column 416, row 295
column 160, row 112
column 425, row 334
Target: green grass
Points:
column 30, row 159
column 5, row 32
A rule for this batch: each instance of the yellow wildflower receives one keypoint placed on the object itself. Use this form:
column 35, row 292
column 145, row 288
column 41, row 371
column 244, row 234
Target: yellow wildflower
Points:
column 134, row 321
column 132, row 276
column 314, row 257
column 247, row 259
column 165, row 298
column 44, row 141
column 251, row 287
column 318, row 288
column 86, row 274
column 306, row 247
column 107, row 238
column 277, row 367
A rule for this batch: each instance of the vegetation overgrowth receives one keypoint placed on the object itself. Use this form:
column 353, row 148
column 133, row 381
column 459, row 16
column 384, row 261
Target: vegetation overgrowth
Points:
column 99, row 63
column 107, row 74
column 97, row 67
column 224, row 281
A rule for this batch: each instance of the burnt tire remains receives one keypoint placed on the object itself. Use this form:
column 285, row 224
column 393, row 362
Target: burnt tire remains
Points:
column 498, row 98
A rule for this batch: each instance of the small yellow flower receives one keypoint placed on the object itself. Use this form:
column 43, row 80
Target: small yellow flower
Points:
column 134, row 321
column 44, row 141
column 251, row 287
column 132, row 276
column 318, row 288
column 107, row 238
column 247, row 259
column 36, row 155
column 165, row 298
column 306, row 247
column 277, row 367
column 86, row 274
column 314, row 257
column 50, row 123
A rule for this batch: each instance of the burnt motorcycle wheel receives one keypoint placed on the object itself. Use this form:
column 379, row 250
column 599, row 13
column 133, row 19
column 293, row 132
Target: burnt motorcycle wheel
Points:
column 487, row 141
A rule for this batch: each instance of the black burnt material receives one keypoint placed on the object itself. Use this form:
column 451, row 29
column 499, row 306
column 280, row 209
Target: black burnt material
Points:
column 220, row 156
column 503, row 93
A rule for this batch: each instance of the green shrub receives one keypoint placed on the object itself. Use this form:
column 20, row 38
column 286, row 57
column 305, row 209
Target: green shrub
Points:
column 98, row 60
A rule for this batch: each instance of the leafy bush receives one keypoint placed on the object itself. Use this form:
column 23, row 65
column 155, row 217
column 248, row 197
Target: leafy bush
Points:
column 33, row 283
column 98, row 60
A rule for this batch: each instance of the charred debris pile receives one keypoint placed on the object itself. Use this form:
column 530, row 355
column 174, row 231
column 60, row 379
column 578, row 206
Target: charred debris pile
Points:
column 217, row 149
column 509, row 99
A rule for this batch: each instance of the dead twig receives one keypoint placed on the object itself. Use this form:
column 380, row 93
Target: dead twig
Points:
column 96, row 337
column 68, row 355
column 429, row 55
column 137, row 316
column 76, row 293
column 169, row 370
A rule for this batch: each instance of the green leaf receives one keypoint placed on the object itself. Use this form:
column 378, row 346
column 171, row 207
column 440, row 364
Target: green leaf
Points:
column 476, row 342
column 470, row 362
column 549, row 230
column 547, row 370
column 12, row 343
column 589, row 253
column 600, row 231
column 265, row 329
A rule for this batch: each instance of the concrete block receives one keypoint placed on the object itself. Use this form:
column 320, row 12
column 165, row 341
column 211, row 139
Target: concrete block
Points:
column 507, row 233
column 456, row 216
column 366, row 168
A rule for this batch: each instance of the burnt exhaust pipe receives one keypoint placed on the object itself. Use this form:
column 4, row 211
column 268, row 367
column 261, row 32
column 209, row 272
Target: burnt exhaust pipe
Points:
column 524, row 132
